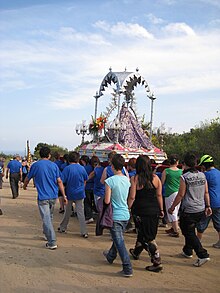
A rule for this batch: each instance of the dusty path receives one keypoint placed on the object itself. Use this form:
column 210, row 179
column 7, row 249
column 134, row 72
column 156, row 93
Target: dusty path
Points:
column 78, row 265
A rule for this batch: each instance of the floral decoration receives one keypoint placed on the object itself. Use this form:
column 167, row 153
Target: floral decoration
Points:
column 97, row 124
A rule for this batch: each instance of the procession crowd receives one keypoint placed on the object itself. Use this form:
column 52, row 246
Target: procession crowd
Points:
column 137, row 197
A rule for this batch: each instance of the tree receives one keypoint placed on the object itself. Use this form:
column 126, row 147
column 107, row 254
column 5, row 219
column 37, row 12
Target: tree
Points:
column 203, row 139
column 54, row 150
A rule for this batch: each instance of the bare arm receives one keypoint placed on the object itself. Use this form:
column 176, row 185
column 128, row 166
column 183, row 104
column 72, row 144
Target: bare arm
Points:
column 132, row 192
column 61, row 188
column 91, row 175
column 158, row 185
column 104, row 176
column 107, row 194
column 163, row 178
column 208, row 210
column 179, row 197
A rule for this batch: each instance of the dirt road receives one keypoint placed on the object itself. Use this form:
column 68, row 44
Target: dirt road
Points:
column 78, row 264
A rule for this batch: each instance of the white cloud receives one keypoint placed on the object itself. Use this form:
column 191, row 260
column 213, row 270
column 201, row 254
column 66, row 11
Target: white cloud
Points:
column 154, row 20
column 125, row 29
column 179, row 29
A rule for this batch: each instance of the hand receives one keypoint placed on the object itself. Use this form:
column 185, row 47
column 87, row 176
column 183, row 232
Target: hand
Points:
column 161, row 214
column 208, row 211
column 170, row 211
column 65, row 200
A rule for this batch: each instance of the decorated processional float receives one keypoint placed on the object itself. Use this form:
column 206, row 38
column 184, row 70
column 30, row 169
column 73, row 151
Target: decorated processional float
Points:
column 119, row 128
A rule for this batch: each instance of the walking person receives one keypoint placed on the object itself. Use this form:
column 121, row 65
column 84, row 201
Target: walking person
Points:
column 2, row 173
column 47, row 179
column 194, row 197
column 212, row 175
column 171, row 181
column 24, row 170
column 74, row 177
column 146, row 203
column 14, row 170
column 116, row 192
column 89, row 199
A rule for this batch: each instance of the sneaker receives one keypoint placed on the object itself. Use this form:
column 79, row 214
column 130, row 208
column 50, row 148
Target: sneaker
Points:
column 85, row 235
column 1, row 213
column 174, row 234
column 168, row 231
column 155, row 269
column 136, row 257
column 52, row 247
column 61, row 230
column 217, row 244
column 89, row 221
column 61, row 211
column 124, row 274
column 44, row 237
column 105, row 253
column 201, row 261
column 186, row 255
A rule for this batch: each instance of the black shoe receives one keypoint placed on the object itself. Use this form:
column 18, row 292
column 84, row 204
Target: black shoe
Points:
column 1, row 213
column 155, row 269
column 136, row 257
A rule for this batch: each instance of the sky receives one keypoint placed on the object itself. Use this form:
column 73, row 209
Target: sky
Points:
column 55, row 54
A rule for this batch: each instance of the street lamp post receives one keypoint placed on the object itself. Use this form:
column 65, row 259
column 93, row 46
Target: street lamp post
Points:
column 152, row 98
column 82, row 129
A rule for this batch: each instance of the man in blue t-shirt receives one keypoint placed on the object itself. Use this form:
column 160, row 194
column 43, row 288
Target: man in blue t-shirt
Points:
column 213, row 179
column 47, row 180
column 15, row 175
column 74, row 177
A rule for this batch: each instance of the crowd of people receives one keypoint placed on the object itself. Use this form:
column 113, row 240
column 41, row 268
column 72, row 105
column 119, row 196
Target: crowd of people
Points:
column 139, row 193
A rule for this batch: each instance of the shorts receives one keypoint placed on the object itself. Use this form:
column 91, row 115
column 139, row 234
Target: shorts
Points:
column 215, row 216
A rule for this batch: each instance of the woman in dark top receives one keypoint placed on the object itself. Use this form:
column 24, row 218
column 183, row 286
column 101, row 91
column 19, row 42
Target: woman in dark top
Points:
column 145, row 200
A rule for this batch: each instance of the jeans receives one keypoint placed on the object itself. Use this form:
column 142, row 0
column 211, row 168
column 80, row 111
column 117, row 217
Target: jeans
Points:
column 14, row 181
column 80, row 215
column 118, row 245
column 46, row 208
column 188, row 223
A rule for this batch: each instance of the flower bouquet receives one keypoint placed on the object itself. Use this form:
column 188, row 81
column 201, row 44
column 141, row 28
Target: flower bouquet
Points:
column 97, row 124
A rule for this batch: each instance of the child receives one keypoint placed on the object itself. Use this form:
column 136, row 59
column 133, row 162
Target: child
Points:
column 116, row 192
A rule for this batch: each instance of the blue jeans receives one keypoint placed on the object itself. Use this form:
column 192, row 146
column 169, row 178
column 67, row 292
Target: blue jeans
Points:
column 118, row 245
column 46, row 208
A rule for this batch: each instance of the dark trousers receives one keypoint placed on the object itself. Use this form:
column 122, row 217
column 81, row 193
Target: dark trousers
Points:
column 146, row 233
column 188, row 223
column 14, row 181
column 88, row 204
column 1, row 180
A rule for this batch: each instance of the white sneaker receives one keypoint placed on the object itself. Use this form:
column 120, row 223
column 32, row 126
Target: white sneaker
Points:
column 217, row 244
column 186, row 255
column 89, row 221
column 52, row 247
column 201, row 261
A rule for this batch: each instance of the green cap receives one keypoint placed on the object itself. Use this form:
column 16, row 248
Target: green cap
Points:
column 206, row 159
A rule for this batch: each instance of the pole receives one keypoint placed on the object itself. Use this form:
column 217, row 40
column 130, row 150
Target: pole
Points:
column 152, row 97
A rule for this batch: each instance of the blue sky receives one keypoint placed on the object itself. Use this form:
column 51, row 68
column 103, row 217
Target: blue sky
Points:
column 54, row 55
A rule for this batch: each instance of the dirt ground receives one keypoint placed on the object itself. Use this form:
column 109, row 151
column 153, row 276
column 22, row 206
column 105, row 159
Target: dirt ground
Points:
column 78, row 264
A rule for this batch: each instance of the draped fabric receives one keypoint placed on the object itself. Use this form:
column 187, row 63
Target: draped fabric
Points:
column 133, row 136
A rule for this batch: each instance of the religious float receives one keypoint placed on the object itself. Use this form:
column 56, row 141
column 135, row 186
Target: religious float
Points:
column 118, row 127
